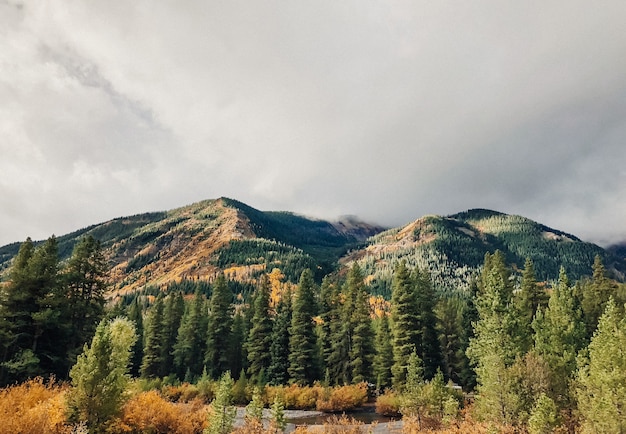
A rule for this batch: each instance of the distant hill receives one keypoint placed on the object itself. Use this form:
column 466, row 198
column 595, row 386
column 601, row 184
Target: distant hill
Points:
column 453, row 248
column 199, row 240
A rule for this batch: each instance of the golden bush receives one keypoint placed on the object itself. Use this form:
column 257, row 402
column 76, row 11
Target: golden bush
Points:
column 343, row 398
column 149, row 412
column 388, row 404
column 33, row 407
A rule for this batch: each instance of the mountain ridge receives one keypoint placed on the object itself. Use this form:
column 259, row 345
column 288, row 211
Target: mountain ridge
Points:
column 197, row 241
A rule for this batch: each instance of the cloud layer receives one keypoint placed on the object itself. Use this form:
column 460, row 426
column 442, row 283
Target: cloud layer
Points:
column 387, row 110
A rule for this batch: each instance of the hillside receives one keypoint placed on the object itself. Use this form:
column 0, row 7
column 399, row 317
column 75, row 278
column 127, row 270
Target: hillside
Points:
column 197, row 241
column 453, row 248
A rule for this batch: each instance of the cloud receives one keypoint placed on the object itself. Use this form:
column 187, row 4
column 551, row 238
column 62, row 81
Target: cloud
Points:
column 385, row 110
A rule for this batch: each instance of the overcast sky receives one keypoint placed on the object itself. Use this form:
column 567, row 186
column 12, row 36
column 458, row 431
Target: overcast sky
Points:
column 387, row 110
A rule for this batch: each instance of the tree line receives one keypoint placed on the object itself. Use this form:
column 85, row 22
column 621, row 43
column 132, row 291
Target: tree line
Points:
column 536, row 354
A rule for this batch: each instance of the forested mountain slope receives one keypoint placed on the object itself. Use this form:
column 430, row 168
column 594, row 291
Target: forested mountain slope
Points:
column 453, row 247
column 199, row 240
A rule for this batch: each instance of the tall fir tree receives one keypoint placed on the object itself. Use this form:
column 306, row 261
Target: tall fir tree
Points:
column 173, row 312
column 31, row 321
column 595, row 295
column 259, row 339
column 405, row 326
column 135, row 315
column 453, row 340
column 601, row 377
column 277, row 372
column 153, row 363
column 427, row 345
column 190, row 343
column 382, row 359
column 559, row 336
column 217, row 359
column 494, row 348
column 531, row 297
column 237, row 358
column 361, row 349
column 302, row 338
column 329, row 315
column 84, row 278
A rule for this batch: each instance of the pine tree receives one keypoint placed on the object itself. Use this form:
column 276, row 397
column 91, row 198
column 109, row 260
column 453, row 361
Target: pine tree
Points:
column 236, row 346
column 329, row 315
column 100, row 375
column 84, row 279
column 601, row 377
column 382, row 360
column 361, row 350
column 135, row 315
column 153, row 362
column 31, row 321
column 493, row 349
column 222, row 415
column 219, row 328
column 452, row 337
column 404, row 322
column 531, row 297
column 302, row 339
column 428, row 342
column 596, row 294
column 259, row 339
column 190, row 343
column 337, row 361
column 277, row 373
column 173, row 311
column 559, row 335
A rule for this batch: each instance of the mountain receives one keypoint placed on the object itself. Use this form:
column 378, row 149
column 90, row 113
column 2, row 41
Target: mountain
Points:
column 197, row 241
column 453, row 248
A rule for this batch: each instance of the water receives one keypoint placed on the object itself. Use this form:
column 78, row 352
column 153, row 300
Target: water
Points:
column 366, row 415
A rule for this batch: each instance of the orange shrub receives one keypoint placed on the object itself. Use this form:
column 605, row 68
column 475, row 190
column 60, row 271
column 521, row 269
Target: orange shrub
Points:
column 33, row 408
column 388, row 404
column 149, row 412
column 343, row 398
column 184, row 392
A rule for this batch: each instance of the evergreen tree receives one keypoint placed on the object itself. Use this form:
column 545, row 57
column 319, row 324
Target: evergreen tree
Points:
column 219, row 328
column 190, row 343
column 222, row 415
column 559, row 335
column 153, row 363
column 329, row 316
column 31, row 322
column 100, row 375
column 405, row 326
column 337, row 369
column 494, row 349
column 237, row 343
column 453, row 338
column 135, row 315
column 427, row 345
column 259, row 339
column 84, row 279
column 595, row 295
column 601, row 377
column 302, row 339
column 382, row 360
column 361, row 350
column 173, row 311
column 531, row 297
column 277, row 372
